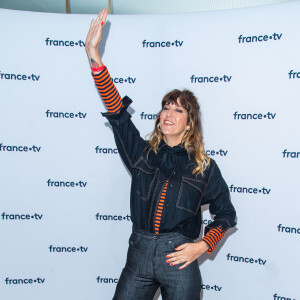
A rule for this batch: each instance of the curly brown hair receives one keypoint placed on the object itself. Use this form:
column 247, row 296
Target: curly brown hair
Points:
column 192, row 140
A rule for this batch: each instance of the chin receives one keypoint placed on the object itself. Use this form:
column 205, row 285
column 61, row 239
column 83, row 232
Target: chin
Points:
column 166, row 133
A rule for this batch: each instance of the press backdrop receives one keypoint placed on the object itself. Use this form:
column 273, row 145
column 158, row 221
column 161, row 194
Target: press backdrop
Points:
column 64, row 192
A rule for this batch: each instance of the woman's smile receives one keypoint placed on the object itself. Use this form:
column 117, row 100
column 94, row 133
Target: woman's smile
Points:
column 173, row 123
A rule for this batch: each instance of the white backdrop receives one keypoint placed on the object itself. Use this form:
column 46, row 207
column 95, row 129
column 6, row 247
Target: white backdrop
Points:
column 57, row 188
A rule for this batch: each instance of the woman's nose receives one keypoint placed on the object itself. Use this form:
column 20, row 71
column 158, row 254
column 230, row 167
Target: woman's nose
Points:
column 169, row 113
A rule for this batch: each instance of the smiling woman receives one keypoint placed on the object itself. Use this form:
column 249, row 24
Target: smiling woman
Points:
column 173, row 123
column 179, row 123
column 172, row 178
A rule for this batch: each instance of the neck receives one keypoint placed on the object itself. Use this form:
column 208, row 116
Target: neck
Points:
column 171, row 141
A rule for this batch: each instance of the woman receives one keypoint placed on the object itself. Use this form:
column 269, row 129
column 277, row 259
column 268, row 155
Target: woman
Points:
column 171, row 178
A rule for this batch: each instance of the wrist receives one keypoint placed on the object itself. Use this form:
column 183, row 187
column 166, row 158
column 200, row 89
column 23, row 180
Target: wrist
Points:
column 93, row 53
column 203, row 246
column 97, row 70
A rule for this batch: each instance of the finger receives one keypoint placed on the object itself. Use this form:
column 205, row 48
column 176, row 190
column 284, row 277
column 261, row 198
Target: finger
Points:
column 96, row 24
column 176, row 258
column 91, row 26
column 171, row 255
column 178, row 261
column 104, row 16
column 184, row 265
column 98, row 29
column 181, row 247
column 90, row 31
column 170, row 260
column 99, row 16
column 101, row 21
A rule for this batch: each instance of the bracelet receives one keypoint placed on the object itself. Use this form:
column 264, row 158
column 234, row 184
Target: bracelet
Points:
column 98, row 69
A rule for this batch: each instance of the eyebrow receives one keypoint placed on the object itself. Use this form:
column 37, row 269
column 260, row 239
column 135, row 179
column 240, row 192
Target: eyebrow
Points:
column 175, row 104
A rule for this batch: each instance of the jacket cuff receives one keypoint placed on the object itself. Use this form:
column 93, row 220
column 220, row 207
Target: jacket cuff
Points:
column 213, row 238
column 224, row 224
column 122, row 116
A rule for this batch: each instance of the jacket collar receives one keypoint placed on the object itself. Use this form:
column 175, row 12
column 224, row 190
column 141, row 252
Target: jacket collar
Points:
column 163, row 146
column 167, row 159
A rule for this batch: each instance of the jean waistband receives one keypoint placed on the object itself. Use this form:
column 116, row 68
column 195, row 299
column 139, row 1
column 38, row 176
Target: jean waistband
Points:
column 161, row 236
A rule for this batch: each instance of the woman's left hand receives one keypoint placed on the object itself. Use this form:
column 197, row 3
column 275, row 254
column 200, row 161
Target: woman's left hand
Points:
column 186, row 253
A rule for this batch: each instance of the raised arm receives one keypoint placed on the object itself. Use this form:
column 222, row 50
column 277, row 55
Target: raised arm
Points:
column 127, row 137
column 103, row 81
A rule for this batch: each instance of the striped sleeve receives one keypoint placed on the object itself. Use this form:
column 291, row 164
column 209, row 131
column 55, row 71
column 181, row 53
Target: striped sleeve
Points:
column 108, row 91
column 213, row 237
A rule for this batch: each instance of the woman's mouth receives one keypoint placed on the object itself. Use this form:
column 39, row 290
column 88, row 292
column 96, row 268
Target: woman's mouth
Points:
column 168, row 123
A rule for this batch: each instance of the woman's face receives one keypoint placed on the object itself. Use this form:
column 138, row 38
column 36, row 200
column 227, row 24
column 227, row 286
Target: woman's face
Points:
column 173, row 123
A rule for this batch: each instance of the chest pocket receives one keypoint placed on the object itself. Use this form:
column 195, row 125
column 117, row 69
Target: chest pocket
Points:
column 190, row 194
column 145, row 179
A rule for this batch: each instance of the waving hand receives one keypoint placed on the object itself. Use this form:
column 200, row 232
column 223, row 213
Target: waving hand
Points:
column 93, row 39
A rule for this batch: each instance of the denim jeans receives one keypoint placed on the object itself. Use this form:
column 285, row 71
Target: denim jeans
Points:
column 146, row 269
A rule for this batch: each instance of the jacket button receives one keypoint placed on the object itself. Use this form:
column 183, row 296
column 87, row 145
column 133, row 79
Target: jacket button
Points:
column 168, row 204
column 171, row 185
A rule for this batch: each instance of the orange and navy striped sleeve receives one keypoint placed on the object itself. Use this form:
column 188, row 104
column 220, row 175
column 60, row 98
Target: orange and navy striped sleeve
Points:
column 213, row 237
column 108, row 91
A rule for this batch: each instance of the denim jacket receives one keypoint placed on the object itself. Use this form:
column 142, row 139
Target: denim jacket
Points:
column 186, row 193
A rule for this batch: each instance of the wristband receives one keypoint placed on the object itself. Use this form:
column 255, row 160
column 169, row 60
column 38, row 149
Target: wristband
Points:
column 98, row 69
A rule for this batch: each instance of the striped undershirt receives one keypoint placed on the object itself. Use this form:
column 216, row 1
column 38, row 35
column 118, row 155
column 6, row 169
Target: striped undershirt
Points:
column 160, row 207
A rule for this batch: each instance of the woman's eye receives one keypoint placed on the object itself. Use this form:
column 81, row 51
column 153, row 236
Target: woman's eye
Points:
column 165, row 108
column 179, row 110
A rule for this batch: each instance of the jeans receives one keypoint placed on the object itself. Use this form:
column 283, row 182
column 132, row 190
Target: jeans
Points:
column 146, row 269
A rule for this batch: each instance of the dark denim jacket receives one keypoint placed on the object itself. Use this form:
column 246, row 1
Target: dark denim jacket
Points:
column 186, row 192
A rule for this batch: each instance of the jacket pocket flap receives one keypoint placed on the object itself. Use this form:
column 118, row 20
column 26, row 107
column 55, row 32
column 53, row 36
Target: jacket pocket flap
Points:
column 144, row 166
column 196, row 183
